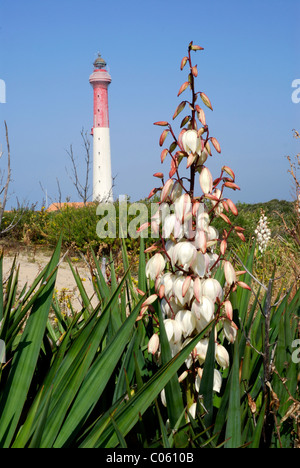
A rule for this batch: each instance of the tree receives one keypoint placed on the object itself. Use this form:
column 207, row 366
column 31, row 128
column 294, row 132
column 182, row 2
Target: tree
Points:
column 82, row 186
column 5, row 182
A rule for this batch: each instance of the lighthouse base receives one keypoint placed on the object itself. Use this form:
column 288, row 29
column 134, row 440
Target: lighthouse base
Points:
column 102, row 178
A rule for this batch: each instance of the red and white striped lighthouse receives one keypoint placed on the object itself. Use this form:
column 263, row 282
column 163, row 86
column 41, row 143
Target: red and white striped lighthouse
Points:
column 102, row 178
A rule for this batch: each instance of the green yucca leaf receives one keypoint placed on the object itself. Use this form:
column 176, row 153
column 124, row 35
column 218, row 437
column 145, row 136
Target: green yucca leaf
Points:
column 128, row 366
column 142, row 282
column 25, row 358
column 96, row 380
column 256, row 438
column 85, row 299
column 25, row 432
column 128, row 414
column 1, row 287
column 20, row 316
column 80, row 356
column 173, row 391
column 122, row 442
column 38, row 434
column 163, row 430
column 103, row 288
column 113, row 278
column 233, row 426
column 207, row 381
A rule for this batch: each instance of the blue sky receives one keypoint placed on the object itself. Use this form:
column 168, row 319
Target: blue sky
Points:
column 250, row 60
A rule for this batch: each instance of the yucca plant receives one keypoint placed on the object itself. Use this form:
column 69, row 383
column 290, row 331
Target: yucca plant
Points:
column 113, row 376
column 89, row 381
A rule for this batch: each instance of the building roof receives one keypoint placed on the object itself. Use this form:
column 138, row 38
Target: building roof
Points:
column 61, row 206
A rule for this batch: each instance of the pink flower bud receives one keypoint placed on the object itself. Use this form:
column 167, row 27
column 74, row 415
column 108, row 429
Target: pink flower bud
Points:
column 223, row 246
column 232, row 207
column 229, row 272
column 186, row 285
column 228, row 309
column 229, row 171
column 149, row 300
column 206, row 181
column 166, row 190
column 201, row 241
column 244, row 285
column 197, row 289
column 153, row 344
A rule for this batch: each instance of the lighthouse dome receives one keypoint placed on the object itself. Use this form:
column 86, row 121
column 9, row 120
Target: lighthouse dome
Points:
column 99, row 62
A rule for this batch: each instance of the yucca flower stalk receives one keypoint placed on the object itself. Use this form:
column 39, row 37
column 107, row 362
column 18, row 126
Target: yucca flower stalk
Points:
column 262, row 232
column 191, row 250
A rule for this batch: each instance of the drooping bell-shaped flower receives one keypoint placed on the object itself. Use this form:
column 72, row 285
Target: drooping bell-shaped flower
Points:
column 202, row 159
column 204, row 309
column 163, row 397
column 182, row 206
column 178, row 290
column 153, row 344
column 230, row 330
column 192, row 411
column 200, row 264
column 176, row 191
column 211, row 288
column 155, row 266
column 170, row 308
column 217, row 385
column 200, row 241
column 184, row 254
column 222, row 356
column 169, row 247
column 202, row 220
column 213, row 261
column 173, row 330
column 187, row 321
column 212, row 234
column 201, row 350
column 168, row 225
column 191, row 142
column 229, row 272
column 206, row 180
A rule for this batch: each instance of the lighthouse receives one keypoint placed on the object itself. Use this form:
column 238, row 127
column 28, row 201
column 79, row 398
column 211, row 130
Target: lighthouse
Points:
column 102, row 178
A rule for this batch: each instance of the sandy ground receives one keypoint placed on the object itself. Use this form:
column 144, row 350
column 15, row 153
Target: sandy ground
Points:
column 31, row 264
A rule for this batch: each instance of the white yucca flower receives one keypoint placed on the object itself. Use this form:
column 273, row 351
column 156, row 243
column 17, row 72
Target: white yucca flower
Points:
column 155, row 266
column 263, row 233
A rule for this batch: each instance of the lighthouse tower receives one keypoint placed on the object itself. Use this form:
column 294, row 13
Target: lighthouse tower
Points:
column 102, row 178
